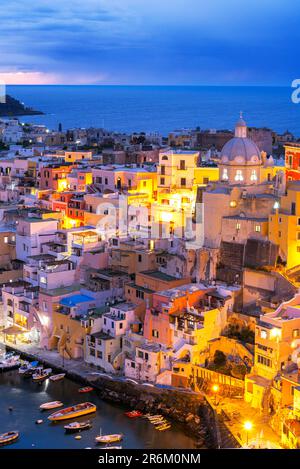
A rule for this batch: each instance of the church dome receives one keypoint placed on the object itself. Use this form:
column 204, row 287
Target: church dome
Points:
column 240, row 150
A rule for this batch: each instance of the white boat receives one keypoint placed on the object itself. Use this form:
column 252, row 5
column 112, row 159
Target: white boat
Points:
column 105, row 439
column 58, row 377
column 51, row 405
column 10, row 362
column 42, row 375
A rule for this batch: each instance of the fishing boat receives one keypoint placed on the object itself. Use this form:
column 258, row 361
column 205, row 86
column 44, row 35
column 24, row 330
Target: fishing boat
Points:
column 10, row 362
column 41, row 375
column 77, row 427
column 58, row 377
column 133, row 414
column 75, row 411
column 85, row 389
column 51, row 405
column 28, row 367
column 9, row 437
column 105, row 439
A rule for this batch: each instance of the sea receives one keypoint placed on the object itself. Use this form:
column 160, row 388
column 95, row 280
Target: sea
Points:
column 24, row 397
column 160, row 108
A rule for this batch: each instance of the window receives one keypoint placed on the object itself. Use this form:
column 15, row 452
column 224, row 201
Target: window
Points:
column 182, row 165
column 183, row 182
column 296, row 333
column 121, row 325
column 92, row 352
column 298, row 235
column 298, row 248
column 205, row 180
column 239, row 175
column 162, row 181
column 264, row 361
column 163, row 170
column 140, row 354
column 225, row 174
column 257, row 228
column 279, row 234
column 140, row 258
column 132, row 365
column 99, row 354
column 155, row 333
column 293, row 209
column 6, row 239
column 253, row 176
column 263, row 334
column 238, row 226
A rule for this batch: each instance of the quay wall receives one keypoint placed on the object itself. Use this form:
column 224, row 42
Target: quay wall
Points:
column 189, row 409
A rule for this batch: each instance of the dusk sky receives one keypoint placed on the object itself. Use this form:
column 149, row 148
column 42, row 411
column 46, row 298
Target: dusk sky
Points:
column 156, row 42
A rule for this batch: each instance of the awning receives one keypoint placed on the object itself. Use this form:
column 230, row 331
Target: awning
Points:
column 14, row 330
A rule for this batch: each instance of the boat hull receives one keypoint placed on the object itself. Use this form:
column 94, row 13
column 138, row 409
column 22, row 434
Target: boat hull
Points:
column 72, row 412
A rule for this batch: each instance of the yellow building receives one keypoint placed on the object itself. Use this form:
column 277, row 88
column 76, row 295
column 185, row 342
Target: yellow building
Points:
column 284, row 225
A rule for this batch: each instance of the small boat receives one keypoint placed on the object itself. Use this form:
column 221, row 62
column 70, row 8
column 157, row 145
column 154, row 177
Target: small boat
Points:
column 110, row 447
column 38, row 422
column 133, row 414
column 85, row 389
column 42, row 375
column 77, row 410
column 9, row 437
column 78, row 437
column 164, row 427
column 104, row 439
column 28, row 367
column 58, row 377
column 77, row 427
column 51, row 405
column 10, row 362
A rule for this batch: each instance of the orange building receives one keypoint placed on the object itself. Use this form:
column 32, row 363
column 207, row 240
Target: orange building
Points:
column 292, row 161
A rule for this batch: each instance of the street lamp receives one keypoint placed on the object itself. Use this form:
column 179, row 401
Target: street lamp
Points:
column 248, row 427
column 215, row 389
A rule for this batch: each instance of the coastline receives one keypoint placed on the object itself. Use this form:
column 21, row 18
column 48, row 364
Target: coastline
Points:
column 189, row 410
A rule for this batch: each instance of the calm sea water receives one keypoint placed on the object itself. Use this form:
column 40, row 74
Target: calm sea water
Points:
column 160, row 108
column 25, row 397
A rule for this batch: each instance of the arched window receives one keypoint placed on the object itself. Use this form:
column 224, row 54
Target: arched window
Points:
column 239, row 175
column 225, row 174
column 253, row 176
column 165, row 157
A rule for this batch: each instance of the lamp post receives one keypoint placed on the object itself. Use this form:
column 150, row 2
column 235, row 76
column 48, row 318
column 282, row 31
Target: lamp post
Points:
column 215, row 389
column 248, row 427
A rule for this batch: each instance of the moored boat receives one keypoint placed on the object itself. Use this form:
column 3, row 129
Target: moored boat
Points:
column 10, row 362
column 72, row 412
column 28, row 367
column 105, row 439
column 51, row 405
column 133, row 414
column 42, row 375
column 85, row 389
column 9, row 437
column 58, row 377
column 77, row 427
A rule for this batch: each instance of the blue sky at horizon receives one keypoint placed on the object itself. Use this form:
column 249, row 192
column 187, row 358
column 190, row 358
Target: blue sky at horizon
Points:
column 131, row 42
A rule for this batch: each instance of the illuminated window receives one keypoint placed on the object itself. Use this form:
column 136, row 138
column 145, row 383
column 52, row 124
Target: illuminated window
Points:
column 263, row 334
column 225, row 174
column 6, row 239
column 257, row 228
column 239, row 175
column 232, row 203
column 253, row 176
column 238, row 226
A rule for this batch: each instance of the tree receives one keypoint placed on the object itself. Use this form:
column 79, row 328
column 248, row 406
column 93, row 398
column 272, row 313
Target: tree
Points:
column 219, row 358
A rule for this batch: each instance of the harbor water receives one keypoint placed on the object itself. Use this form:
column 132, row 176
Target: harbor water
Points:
column 24, row 397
